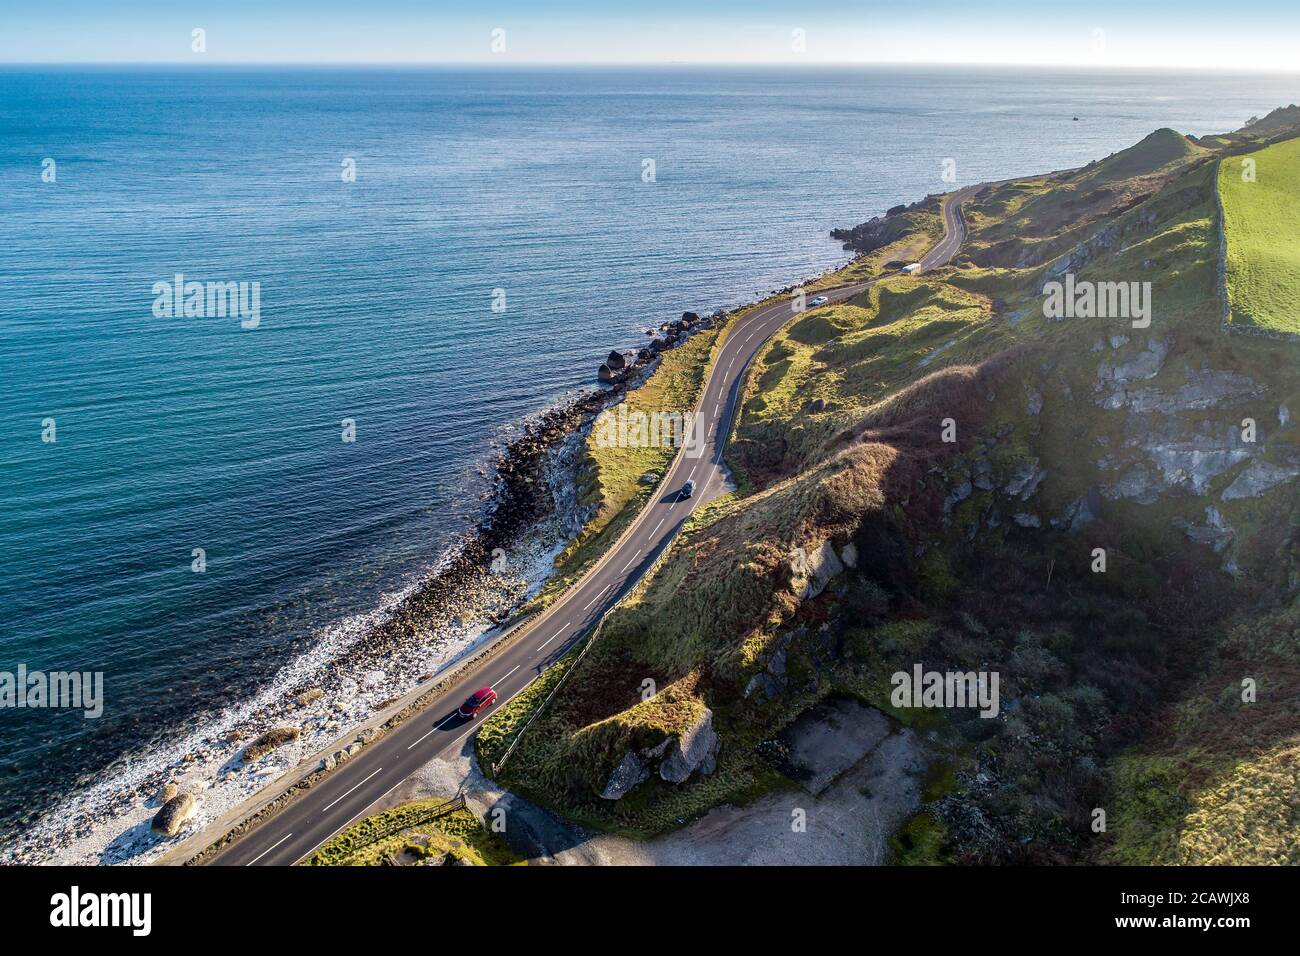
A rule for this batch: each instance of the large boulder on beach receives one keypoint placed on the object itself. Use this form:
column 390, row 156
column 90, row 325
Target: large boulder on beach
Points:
column 605, row 373
column 616, row 361
column 690, row 318
column 175, row 813
column 309, row 696
column 263, row 745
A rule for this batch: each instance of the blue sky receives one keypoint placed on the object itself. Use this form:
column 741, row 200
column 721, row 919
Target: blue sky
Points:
column 1256, row 34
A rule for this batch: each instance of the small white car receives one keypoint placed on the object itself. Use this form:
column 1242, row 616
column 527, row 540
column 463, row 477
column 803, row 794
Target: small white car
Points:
column 820, row 300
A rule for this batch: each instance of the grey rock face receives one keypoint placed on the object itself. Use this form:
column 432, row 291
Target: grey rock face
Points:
column 765, row 685
column 1205, row 388
column 1258, row 478
column 1083, row 253
column 1116, row 376
column 958, row 494
column 1082, row 511
column 1025, row 479
column 1216, row 532
column 1138, row 484
column 696, row 749
column 629, row 773
column 810, row 572
column 1192, row 464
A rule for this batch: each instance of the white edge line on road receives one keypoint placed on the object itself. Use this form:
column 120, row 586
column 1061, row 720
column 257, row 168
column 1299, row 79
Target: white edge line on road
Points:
column 552, row 637
column 512, row 670
column 268, row 849
column 350, row 789
column 598, row 596
column 436, row 726
column 629, row 563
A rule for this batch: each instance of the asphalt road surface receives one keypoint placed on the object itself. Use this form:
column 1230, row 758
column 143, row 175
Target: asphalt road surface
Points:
column 347, row 793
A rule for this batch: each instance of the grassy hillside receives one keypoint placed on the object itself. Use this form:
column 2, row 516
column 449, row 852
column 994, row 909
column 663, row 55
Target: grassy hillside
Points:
column 1219, row 781
column 1261, row 211
column 927, row 474
column 408, row 835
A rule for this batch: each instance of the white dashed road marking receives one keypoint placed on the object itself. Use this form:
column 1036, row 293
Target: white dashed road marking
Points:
column 596, row 598
column 436, row 726
column 268, row 849
column 349, row 790
column 551, row 638
column 502, row 680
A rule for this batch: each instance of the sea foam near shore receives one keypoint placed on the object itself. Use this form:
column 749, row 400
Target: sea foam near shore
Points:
column 108, row 821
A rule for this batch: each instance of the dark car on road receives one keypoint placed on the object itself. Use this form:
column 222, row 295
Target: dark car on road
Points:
column 688, row 489
column 479, row 701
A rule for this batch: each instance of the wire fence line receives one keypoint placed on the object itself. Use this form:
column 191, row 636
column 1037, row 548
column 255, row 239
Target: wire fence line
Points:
column 433, row 813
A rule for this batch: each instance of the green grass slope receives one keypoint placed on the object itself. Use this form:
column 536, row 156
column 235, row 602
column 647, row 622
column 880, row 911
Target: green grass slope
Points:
column 1261, row 217
column 408, row 834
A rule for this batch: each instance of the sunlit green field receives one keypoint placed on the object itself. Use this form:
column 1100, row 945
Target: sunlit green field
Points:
column 1262, row 222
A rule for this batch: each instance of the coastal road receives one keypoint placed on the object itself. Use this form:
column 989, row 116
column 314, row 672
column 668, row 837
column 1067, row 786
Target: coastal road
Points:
column 351, row 790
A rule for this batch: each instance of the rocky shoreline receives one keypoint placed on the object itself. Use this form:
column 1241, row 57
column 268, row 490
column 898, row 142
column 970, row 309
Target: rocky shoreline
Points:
column 479, row 583
column 528, row 516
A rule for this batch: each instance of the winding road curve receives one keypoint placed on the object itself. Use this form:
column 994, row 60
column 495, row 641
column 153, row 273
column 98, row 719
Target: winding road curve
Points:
column 350, row 791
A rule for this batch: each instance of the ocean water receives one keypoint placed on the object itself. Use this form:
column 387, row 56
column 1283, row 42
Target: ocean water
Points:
column 376, row 298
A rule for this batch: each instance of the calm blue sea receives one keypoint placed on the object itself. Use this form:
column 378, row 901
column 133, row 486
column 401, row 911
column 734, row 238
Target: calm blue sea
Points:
column 179, row 433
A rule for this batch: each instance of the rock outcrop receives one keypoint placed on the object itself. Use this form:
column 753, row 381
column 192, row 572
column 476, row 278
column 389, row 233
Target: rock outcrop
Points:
column 675, row 758
column 811, row 570
column 630, row 773
column 878, row 231
column 696, row 749
column 273, row 738
column 175, row 813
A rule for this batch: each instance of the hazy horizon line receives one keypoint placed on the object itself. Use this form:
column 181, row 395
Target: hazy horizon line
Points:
column 206, row 63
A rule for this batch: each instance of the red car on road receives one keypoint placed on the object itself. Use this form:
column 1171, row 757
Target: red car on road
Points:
column 479, row 701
